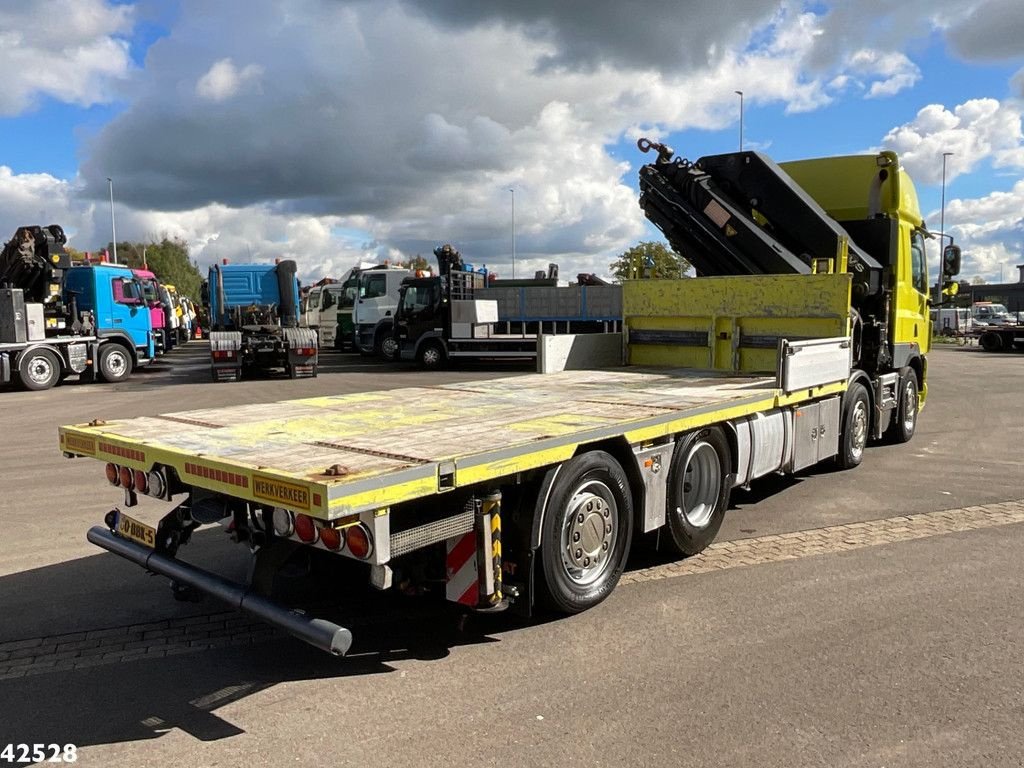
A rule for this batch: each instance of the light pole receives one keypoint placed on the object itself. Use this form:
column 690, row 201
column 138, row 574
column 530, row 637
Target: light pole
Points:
column 740, row 94
column 942, row 230
column 113, row 229
column 513, row 191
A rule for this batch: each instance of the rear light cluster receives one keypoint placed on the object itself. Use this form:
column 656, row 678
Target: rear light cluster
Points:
column 305, row 351
column 355, row 539
column 224, row 354
column 150, row 483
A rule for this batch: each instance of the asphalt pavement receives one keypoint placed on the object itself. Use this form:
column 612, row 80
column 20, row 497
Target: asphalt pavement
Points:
column 842, row 619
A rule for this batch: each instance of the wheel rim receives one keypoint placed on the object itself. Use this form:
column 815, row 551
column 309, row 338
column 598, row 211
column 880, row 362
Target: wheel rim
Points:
column 702, row 484
column 859, row 429
column 431, row 356
column 388, row 348
column 589, row 533
column 40, row 370
column 909, row 406
column 116, row 363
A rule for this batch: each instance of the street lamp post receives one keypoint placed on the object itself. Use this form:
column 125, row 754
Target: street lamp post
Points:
column 740, row 94
column 113, row 229
column 513, row 191
column 942, row 230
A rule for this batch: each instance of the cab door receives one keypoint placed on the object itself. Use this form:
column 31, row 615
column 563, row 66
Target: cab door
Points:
column 912, row 325
column 129, row 311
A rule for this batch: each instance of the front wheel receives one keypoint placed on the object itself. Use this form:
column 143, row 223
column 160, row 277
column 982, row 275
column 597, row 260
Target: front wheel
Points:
column 853, row 438
column 115, row 363
column 389, row 349
column 39, row 369
column 586, row 532
column 431, row 355
column 902, row 429
column 698, row 490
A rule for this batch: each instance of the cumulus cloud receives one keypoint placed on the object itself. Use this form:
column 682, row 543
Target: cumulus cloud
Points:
column 990, row 229
column 338, row 130
column 976, row 132
column 69, row 50
column 224, row 79
column 417, row 124
column 992, row 30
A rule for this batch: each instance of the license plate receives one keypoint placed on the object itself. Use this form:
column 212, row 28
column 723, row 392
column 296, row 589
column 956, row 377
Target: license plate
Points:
column 130, row 528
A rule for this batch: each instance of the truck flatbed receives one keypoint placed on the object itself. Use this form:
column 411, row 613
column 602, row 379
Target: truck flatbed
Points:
column 337, row 455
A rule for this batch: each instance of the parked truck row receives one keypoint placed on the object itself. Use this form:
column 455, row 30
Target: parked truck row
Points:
column 804, row 338
column 94, row 319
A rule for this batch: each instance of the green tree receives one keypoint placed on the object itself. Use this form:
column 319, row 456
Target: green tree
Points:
column 649, row 259
column 169, row 261
column 416, row 262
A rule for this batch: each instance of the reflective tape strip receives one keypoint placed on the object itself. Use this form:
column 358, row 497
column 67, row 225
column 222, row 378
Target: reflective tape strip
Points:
column 462, row 586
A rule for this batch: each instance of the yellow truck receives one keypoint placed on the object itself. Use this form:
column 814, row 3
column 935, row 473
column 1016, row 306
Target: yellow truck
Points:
column 527, row 490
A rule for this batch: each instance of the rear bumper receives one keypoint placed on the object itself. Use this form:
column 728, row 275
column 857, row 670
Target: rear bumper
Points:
column 320, row 633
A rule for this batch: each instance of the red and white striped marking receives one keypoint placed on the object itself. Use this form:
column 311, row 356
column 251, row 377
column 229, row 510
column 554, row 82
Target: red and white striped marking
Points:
column 463, row 586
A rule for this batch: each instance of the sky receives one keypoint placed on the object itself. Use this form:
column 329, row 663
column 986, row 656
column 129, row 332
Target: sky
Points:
column 340, row 131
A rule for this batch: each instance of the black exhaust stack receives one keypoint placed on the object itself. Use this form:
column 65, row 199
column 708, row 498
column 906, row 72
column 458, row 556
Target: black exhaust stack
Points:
column 286, row 287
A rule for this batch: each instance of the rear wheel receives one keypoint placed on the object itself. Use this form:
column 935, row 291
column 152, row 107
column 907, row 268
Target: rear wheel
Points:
column 586, row 532
column 698, row 490
column 855, row 428
column 991, row 342
column 902, row 429
column 39, row 369
column 115, row 363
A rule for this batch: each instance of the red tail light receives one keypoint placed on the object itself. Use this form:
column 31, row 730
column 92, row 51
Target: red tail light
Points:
column 224, row 354
column 141, row 481
column 305, row 351
column 305, row 528
column 359, row 542
column 113, row 476
column 126, row 476
column 331, row 537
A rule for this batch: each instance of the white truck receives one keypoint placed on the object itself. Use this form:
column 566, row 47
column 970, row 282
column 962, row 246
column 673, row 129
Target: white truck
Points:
column 320, row 311
column 374, row 312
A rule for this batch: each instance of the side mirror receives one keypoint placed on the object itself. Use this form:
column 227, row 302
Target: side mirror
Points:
column 951, row 261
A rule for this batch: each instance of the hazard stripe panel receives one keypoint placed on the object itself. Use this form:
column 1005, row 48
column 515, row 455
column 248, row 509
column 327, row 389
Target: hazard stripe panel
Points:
column 463, row 580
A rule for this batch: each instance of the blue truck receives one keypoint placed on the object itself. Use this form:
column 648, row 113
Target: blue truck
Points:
column 254, row 322
column 58, row 319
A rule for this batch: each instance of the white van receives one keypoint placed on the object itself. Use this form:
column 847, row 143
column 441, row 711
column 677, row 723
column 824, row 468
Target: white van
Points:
column 950, row 321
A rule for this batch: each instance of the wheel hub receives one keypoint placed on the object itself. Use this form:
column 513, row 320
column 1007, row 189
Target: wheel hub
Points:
column 859, row 438
column 40, row 370
column 588, row 534
column 909, row 406
column 701, row 481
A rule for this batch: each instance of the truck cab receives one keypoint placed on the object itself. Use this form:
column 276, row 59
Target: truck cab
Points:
column 376, row 301
column 345, row 335
column 320, row 311
column 990, row 313
column 157, row 313
column 117, row 302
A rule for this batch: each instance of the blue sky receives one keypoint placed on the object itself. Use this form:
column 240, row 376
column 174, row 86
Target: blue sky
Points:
column 335, row 131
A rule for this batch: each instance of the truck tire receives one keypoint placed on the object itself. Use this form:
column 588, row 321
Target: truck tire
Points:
column 905, row 418
column 39, row 369
column 430, row 355
column 991, row 342
column 586, row 532
column 855, row 428
column 115, row 363
column 389, row 349
column 698, row 490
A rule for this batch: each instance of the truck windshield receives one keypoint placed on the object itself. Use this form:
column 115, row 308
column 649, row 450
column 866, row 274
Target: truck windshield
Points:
column 416, row 298
column 149, row 290
column 347, row 299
